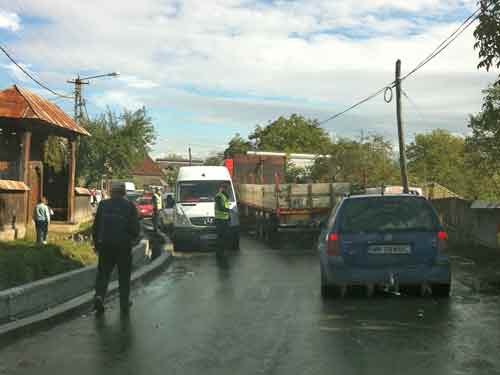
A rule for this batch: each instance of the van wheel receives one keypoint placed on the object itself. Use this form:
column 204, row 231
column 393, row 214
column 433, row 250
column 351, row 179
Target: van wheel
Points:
column 441, row 290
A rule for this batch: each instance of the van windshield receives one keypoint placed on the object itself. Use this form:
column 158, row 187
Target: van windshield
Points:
column 201, row 191
column 387, row 214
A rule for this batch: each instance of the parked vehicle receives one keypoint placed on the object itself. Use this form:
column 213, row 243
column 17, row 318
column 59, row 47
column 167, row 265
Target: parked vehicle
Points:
column 194, row 222
column 144, row 207
column 276, row 209
column 133, row 196
column 384, row 240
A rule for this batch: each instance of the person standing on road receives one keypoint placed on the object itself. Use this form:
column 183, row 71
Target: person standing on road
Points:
column 116, row 228
column 222, row 218
column 41, row 217
column 157, row 206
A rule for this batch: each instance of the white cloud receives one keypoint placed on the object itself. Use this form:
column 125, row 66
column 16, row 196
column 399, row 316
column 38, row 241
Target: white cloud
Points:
column 138, row 83
column 16, row 73
column 9, row 21
column 288, row 49
column 120, row 99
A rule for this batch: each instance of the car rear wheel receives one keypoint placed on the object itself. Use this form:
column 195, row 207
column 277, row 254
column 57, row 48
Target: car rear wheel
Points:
column 329, row 291
column 441, row 290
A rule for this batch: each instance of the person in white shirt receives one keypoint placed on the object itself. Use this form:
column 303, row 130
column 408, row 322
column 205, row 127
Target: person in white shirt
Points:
column 41, row 216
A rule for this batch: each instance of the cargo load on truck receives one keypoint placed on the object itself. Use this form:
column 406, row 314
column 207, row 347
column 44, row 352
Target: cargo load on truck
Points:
column 273, row 208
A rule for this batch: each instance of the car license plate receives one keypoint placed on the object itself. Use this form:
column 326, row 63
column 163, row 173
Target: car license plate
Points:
column 389, row 249
column 207, row 237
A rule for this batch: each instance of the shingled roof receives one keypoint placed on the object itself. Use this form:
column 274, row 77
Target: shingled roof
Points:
column 18, row 103
column 147, row 168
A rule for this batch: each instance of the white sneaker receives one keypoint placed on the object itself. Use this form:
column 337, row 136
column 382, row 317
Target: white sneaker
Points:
column 45, row 242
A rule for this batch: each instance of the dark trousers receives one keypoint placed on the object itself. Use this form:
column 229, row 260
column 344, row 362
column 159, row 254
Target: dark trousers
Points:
column 222, row 228
column 109, row 257
column 42, row 230
column 156, row 220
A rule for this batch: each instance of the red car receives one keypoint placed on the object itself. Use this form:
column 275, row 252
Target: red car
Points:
column 144, row 207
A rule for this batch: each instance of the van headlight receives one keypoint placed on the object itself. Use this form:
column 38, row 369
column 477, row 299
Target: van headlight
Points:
column 180, row 218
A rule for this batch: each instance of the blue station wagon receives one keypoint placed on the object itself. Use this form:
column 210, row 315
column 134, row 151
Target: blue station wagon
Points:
column 384, row 240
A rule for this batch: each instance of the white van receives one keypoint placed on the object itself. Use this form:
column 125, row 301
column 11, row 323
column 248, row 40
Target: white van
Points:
column 194, row 222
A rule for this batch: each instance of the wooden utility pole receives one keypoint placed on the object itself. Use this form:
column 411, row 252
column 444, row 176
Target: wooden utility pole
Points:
column 402, row 151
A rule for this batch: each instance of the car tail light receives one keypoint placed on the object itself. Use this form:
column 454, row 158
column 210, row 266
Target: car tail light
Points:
column 442, row 240
column 333, row 248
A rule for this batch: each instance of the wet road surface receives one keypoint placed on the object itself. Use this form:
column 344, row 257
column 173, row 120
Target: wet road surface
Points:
column 260, row 312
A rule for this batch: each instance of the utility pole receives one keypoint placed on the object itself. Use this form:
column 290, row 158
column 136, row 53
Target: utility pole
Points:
column 190, row 159
column 78, row 106
column 402, row 151
column 79, row 101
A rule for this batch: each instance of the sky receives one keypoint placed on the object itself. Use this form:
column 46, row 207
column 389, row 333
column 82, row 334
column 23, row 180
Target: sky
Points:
column 206, row 70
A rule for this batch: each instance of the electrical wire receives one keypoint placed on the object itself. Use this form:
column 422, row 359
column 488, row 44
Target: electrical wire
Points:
column 450, row 39
column 33, row 78
column 362, row 101
column 440, row 48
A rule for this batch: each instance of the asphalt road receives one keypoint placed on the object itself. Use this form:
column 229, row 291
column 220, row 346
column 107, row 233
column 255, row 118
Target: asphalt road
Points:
column 260, row 312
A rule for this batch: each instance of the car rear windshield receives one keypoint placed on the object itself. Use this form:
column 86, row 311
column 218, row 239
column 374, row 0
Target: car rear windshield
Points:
column 201, row 191
column 387, row 214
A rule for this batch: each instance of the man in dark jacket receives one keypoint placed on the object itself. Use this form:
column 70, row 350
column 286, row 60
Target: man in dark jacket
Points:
column 116, row 228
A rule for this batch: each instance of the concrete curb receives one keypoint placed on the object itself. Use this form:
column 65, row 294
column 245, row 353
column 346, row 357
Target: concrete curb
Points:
column 32, row 298
column 80, row 304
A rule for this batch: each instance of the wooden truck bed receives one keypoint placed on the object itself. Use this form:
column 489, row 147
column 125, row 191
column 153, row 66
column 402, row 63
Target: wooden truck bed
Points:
column 284, row 198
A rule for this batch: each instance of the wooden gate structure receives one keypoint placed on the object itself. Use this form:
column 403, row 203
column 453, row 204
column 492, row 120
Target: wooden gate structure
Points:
column 26, row 122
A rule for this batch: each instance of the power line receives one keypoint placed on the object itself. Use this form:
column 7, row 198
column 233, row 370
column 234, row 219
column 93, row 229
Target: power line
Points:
column 450, row 39
column 370, row 97
column 442, row 46
column 33, row 78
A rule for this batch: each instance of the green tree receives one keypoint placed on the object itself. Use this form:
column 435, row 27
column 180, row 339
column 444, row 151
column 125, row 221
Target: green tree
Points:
column 366, row 163
column 438, row 157
column 215, row 160
column 295, row 134
column 237, row 146
column 483, row 146
column 294, row 174
column 487, row 35
column 55, row 153
column 118, row 143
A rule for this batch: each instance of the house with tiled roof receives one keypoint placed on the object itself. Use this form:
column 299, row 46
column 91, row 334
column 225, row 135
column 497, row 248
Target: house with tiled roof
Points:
column 148, row 173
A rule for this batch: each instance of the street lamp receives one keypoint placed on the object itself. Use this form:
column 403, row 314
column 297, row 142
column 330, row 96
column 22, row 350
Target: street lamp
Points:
column 78, row 82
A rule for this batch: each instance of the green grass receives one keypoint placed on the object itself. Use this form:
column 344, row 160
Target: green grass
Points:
column 23, row 261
